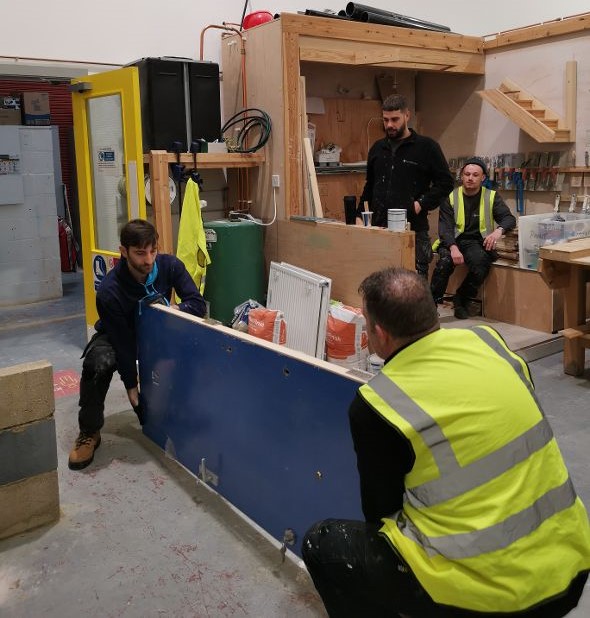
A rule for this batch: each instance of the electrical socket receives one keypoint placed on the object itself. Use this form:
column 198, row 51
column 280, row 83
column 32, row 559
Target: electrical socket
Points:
column 276, row 180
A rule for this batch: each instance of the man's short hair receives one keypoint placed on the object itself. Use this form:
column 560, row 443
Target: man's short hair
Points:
column 138, row 233
column 400, row 301
column 395, row 102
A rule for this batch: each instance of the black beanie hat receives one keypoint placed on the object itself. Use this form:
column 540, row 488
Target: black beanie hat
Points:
column 476, row 161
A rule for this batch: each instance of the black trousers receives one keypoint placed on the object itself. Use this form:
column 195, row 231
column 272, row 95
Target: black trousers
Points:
column 98, row 367
column 423, row 252
column 359, row 575
column 478, row 262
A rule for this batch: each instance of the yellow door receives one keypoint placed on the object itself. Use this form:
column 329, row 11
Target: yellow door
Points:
column 109, row 161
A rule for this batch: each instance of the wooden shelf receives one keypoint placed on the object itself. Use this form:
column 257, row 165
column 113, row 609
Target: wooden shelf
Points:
column 159, row 162
column 214, row 160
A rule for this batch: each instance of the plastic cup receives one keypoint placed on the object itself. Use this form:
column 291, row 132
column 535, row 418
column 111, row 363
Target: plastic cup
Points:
column 367, row 217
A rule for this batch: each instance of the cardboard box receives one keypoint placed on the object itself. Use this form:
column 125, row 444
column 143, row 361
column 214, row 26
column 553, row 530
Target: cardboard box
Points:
column 9, row 116
column 35, row 109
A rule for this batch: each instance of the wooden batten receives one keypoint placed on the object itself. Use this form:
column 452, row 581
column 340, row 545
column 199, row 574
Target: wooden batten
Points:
column 336, row 51
column 292, row 127
column 571, row 97
column 212, row 160
column 390, row 35
column 559, row 27
column 158, row 167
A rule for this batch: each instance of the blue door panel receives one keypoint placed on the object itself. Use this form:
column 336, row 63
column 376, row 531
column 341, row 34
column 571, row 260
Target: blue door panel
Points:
column 273, row 428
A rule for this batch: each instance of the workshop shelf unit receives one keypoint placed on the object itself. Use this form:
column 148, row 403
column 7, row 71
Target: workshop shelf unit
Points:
column 159, row 162
column 286, row 44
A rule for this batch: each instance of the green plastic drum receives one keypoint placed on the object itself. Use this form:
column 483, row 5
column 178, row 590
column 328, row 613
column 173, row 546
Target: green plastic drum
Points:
column 236, row 272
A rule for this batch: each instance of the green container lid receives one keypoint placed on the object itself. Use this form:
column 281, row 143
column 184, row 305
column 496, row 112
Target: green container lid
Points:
column 236, row 272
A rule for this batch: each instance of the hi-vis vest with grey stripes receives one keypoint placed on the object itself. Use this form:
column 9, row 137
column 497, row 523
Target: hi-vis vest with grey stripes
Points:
column 486, row 213
column 486, row 205
column 509, row 509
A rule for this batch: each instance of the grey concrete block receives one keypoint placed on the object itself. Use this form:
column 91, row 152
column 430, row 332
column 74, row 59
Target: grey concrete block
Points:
column 27, row 393
column 29, row 504
column 27, row 450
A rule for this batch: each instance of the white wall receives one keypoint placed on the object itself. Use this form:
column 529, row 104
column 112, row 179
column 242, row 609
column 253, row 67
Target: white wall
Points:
column 120, row 31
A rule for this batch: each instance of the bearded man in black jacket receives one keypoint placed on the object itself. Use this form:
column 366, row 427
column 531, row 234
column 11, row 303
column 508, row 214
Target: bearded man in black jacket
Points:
column 141, row 276
column 406, row 171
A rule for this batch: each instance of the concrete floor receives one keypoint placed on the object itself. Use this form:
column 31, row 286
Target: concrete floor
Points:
column 140, row 537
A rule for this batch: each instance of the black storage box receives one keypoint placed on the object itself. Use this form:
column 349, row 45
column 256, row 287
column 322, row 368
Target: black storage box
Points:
column 180, row 102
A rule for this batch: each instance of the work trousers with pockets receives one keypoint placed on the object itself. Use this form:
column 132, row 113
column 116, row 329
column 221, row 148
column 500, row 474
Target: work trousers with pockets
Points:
column 358, row 574
column 423, row 252
column 100, row 362
column 478, row 262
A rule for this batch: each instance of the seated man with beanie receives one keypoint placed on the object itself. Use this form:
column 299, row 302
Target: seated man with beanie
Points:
column 471, row 220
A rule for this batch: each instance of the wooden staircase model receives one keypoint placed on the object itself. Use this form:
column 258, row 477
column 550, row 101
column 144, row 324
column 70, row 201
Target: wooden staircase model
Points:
column 532, row 116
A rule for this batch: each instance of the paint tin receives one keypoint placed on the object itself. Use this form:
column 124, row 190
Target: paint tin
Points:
column 396, row 219
column 374, row 363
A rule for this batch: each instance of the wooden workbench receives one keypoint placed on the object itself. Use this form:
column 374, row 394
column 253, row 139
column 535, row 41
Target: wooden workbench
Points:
column 567, row 266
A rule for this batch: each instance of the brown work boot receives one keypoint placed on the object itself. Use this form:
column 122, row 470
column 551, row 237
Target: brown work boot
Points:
column 83, row 452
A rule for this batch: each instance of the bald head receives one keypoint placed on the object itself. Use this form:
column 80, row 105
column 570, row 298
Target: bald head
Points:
column 399, row 301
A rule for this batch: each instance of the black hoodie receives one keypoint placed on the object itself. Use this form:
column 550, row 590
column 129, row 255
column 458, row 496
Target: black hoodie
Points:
column 117, row 301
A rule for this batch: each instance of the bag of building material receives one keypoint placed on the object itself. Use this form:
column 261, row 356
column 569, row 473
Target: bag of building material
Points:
column 347, row 343
column 240, row 319
column 267, row 324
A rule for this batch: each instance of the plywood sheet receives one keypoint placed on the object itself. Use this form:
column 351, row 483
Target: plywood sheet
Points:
column 567, row 251
column 345, row 253
column 351, row 124
column 520, row 297
column 333, row 188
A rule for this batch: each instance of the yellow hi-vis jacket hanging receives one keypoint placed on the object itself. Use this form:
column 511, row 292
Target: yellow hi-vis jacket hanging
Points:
column 192, row 245
column 486, row 212
column 490, row 521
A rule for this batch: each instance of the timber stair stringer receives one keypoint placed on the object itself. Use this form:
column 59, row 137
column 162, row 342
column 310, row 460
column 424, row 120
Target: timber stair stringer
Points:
column 527, row 112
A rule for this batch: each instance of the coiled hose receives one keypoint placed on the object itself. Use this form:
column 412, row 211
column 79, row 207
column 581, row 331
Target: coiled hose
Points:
column 246, row 123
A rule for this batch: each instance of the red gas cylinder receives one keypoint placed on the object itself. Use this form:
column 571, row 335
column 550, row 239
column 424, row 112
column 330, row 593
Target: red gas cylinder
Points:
column 256, row 18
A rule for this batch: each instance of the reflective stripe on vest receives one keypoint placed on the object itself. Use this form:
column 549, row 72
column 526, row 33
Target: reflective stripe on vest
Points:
column 486, row 214
column 499, row 536
column 456, row 480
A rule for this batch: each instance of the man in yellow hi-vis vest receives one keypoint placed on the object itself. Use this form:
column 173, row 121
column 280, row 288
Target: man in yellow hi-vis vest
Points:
column 470, row 222
column 469, row 507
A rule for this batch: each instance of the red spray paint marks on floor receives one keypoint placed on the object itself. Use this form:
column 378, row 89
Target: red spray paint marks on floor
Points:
column 66, row 382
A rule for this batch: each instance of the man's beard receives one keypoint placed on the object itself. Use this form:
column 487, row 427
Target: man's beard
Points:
column 396, row 133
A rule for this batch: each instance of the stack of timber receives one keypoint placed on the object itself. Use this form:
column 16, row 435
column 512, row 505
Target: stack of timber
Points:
column 507, row 246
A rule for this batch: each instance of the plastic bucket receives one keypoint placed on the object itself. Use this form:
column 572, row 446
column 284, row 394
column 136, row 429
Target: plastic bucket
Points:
column 374, row 363
column 396, row 219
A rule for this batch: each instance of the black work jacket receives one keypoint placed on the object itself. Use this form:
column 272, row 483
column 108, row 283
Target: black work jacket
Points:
column 417, row 171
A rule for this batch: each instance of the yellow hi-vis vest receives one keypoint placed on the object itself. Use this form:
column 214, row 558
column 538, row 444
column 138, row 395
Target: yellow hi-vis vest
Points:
column 192, row 243
column 490, row 520
column 486, row 212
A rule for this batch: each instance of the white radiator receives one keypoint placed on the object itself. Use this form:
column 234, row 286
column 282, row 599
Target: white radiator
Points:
column 303, row 297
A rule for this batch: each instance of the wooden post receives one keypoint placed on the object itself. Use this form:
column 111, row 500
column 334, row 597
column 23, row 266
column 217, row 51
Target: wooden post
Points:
column 293, row 158
column 571, row 97
column 574, row 315
column 158, row 166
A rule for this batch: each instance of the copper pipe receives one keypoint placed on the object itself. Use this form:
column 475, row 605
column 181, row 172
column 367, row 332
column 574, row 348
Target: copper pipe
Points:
column 223, row 27
column 243, row 175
